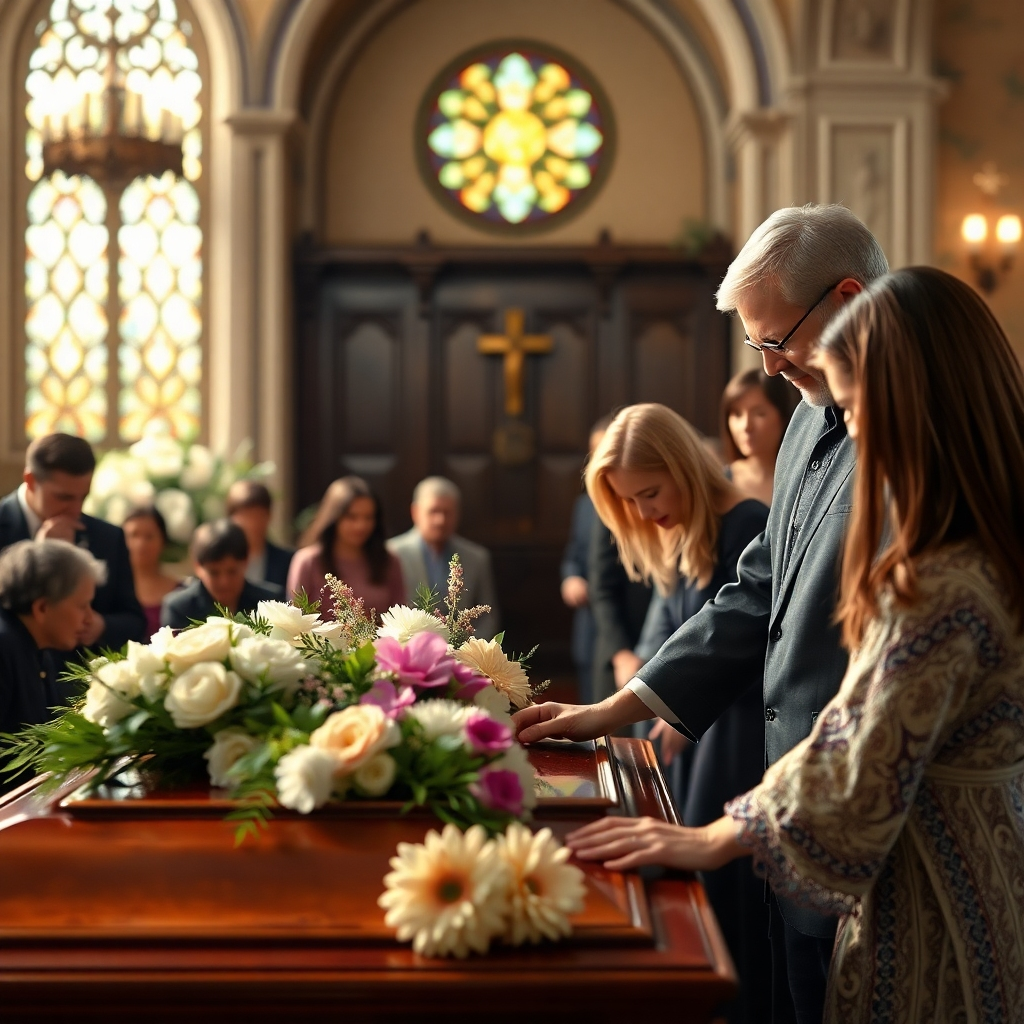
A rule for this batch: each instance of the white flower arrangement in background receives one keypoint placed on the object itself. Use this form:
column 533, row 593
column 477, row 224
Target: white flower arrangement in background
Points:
column 186, row 483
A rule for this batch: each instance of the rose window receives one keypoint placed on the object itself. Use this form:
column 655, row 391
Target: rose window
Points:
column 515, row 136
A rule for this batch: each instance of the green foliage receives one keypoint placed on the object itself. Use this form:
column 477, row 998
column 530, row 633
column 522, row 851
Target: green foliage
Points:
column 304, row 603
column 426, row 598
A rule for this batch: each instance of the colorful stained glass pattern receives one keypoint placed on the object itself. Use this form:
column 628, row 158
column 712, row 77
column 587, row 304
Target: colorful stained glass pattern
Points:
column 156, row 339
column 515, row 137
column 66, row 294
column 160, row 270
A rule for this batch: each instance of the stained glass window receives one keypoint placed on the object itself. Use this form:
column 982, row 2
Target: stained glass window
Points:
column 151, row 327
column 515, row 135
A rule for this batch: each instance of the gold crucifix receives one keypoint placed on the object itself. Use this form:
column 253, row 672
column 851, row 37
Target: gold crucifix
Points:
column 515, row 346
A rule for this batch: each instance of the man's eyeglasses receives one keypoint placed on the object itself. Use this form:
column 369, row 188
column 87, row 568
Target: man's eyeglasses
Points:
column 779, row 346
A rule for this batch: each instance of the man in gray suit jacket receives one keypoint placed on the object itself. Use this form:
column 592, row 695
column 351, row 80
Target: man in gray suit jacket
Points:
column 790, row 278
column 427, row 548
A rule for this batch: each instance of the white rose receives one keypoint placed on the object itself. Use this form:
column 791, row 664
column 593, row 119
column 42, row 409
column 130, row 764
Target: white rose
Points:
column 160, row 641
column 377, row 776
column 199, row 467
column 239, row 631
column 402, row 623
column 494, row 702
column 209, row 642
column 305, row 777
column 150, row 668
column 109, row 696
column 202, row 694
column 228, row 746
column 160, row 453
column 176, row 508
column 272, row 663
column 288, row 622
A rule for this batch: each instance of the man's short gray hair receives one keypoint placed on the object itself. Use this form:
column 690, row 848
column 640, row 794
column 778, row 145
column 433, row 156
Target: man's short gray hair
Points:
column 52, row 569
column 801, row 251
column 436, row 487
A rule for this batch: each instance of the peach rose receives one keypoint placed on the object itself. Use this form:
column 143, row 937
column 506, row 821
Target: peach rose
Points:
column 355, row 735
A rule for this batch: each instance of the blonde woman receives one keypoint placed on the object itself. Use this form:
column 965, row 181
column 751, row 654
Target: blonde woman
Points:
column 681, row 525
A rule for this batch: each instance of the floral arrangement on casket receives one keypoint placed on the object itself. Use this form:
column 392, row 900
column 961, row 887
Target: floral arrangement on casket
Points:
column 287, row 708
column 186, row 483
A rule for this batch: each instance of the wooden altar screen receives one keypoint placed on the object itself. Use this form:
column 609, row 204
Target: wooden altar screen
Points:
column 140, row 909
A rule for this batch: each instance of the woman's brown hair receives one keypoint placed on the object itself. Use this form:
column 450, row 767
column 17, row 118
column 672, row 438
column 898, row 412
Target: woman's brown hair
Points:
column 336, row 502
column 777, row 390
column 940, row 436
column 653, row 438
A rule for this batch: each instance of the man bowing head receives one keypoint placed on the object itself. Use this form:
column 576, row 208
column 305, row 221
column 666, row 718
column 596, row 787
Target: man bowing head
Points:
column 48, row 506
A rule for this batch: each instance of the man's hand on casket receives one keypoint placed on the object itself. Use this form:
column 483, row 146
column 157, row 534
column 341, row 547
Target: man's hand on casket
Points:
column 625, row 843
column 579, row 721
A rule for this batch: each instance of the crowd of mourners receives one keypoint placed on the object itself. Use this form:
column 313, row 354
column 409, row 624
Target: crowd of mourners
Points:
column 816, row 618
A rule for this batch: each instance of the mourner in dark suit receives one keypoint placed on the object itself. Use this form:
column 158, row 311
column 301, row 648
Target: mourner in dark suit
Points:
column 48, row 506
column 249, row 504
column 220, row 553
column 46, row 590
column 778, row 617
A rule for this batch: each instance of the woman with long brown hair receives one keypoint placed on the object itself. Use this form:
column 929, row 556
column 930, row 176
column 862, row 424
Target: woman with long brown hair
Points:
column 903, row 811
column 680, row 524
column 346, row 539
column 754, row 414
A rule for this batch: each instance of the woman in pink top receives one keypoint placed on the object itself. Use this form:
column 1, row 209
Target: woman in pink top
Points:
column 347, row 539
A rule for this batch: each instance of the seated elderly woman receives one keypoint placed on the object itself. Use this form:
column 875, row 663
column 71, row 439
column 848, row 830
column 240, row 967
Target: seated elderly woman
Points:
column 46, row 592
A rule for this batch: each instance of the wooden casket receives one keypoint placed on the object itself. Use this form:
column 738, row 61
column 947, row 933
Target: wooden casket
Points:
column 141, row 909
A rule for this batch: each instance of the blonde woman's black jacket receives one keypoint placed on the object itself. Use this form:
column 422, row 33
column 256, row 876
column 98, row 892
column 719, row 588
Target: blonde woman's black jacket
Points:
column 778, row 616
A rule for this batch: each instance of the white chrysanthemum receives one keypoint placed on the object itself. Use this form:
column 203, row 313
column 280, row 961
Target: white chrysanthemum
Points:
column 402, row 623
column 287, row 622
column 228, row 746
column 515, row 759
column 305, row 777
column 441, row 717
column 487, row 658
column 449, row 894
column 543, row 889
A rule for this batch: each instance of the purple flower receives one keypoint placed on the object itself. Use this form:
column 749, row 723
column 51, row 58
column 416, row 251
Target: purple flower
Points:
column 470, row 682
column 391, row 700
column 500, row 790
column 424, row 662
column 486, row 736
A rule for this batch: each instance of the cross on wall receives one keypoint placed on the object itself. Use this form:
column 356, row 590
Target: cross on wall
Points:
column 515, row 346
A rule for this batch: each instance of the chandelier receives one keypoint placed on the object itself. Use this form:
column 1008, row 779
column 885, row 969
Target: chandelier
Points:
column 116, row 134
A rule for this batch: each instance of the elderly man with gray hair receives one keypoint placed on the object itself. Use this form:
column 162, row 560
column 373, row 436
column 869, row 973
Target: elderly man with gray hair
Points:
column 46, row 592
column 791, row 277
column 427, row 548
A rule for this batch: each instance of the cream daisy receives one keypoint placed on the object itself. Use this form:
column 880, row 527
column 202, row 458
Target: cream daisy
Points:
column 487, row 658
column 543, row 889
column 449, row 894
column 402, row 623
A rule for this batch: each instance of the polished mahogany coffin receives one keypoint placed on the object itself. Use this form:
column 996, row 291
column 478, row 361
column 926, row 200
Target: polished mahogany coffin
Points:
column 136, row 906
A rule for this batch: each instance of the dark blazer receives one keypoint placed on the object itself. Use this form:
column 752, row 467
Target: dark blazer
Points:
column 619, row 606
column 278, row 561
column 575, row 563
column 192, row 603
column 778, row 617
column 115, row 600
column 28, row 687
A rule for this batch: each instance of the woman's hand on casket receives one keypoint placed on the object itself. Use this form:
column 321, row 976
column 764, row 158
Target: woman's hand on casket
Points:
column 625, row 843
column 579, row 721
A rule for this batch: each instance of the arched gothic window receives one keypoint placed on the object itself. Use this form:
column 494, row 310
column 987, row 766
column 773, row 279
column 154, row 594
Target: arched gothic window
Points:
column 111, row 347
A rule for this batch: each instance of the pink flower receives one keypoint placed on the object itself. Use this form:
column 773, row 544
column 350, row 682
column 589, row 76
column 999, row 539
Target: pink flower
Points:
column 500, row 790
column 389, row 698
column 486, row 736
column 470, row 683
column 423, row 662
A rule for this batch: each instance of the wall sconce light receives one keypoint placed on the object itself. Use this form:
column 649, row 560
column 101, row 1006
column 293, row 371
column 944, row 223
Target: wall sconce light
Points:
column 989, row 268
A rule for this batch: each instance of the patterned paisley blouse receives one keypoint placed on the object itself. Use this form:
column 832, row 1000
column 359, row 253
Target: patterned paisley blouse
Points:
column 903, row 810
